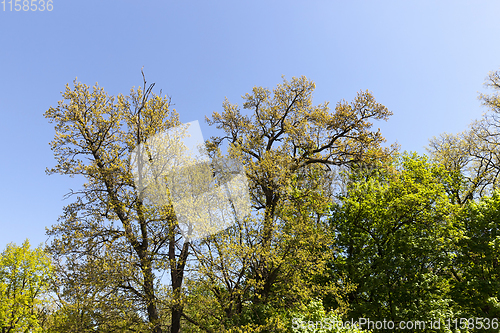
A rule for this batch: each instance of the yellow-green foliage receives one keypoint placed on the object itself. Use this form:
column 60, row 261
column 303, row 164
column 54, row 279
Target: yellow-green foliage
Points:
column 274, row 258
column 24, row 280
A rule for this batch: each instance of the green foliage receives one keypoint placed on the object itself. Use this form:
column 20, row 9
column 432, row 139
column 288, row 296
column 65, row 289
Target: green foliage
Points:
column 25, row 275
column 409, row 238
column 394, row 232
column 476, row 266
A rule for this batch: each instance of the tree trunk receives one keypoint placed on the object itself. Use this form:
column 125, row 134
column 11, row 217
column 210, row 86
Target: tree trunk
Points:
column 177, row 276
column 149, row 294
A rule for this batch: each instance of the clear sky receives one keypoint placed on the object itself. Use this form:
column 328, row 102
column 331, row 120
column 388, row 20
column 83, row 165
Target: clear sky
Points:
column 424, row 60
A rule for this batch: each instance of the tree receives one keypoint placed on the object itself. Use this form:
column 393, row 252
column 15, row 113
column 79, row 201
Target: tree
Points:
column 473, row 156
column 395, row 235
column 111, row 240
column 476, row 287
column 116, row 240
column 287, row 145
column 25, row 275
column 88, row 301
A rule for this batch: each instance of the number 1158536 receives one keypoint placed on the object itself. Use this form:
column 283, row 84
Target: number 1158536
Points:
column 27, row 5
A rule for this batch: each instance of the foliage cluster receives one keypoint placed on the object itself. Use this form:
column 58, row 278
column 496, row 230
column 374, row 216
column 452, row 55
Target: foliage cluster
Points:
column 409, row 237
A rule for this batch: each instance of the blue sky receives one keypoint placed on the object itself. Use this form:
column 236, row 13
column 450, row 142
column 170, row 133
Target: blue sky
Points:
column 424, row 60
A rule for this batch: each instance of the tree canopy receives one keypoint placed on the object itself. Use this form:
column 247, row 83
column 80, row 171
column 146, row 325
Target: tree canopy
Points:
column 295, row 216
column 25, row 275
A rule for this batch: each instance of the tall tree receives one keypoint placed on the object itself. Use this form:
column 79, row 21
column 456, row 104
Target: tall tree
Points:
column 287, row 145
column 111, row 234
